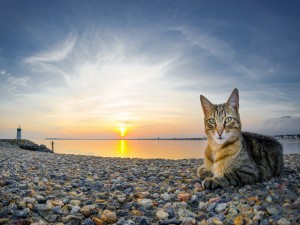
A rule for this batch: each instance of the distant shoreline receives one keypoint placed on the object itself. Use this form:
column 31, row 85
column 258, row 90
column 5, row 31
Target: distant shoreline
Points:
column 130, row 139
column 279, row 137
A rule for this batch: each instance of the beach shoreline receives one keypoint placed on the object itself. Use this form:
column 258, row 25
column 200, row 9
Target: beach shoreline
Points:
column 44, row 188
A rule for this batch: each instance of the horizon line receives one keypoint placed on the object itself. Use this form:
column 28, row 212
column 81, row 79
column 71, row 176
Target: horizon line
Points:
column 158, row 139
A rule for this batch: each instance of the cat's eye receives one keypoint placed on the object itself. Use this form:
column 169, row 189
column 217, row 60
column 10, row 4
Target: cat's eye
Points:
column 228, row 119
column 212, row 120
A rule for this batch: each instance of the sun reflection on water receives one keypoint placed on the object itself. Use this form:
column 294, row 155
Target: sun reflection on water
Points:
column 130, row 148
column 122, row 150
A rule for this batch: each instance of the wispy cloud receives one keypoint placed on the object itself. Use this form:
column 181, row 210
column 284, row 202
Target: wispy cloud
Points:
column 213, row 45
column 55, row 53
column 11, row 85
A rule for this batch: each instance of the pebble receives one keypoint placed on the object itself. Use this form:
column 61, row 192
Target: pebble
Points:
column 29, row 200
column 22, row 213
column 108, row 216
column 121, row 198
column 58, row 210
column 72, row 189
column 98, row 221
column 271, row 210
column 216, row 221
column 74, row 210
column 213, row 200
column 75, row 202
column 162, row 215
column 86, row 210
column 283, row 221
column 166, row 197
column 183, row 196
column 269, row 199
column 220, row 207
column 145, row 202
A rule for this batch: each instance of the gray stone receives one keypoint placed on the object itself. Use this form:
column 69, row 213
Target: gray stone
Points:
column 74, row 210
column 220, row 207
column 29, row 200
column 166, row 197
column 186, row 213
column 57, row 210
column 22, row 213
column 212, row 207
column 129, row 222
column 271, row 210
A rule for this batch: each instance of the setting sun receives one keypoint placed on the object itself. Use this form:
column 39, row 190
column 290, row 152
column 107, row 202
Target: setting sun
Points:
column 122, row 131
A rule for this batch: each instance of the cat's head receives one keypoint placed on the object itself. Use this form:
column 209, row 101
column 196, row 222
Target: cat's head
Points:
column 222, row 122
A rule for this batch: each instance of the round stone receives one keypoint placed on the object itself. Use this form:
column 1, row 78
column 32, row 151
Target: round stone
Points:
column 283, row 221
column 57, row 210
column 108, row 216
column 272, row 210
column 29, row 200
column 98, row 221
column 75, row 202
column 74, row 210
column 184, row 196
column 121, row 198
column 85, row 210
column 220, row 207
column 162, row 215
column 166, row 197
column 145, row 202
column 269, row 199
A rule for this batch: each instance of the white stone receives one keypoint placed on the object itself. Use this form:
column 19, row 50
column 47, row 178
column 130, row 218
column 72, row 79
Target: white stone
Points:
column 145, row 202
column 145, row 194
column 121, row 198
column 155, row 195
column 29, row 200
column 269, row 199
column 162, row 215
column 166, row 197
column 283, row 221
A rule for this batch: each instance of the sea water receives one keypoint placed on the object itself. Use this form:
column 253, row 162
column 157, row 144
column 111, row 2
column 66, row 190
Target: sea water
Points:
column 166, row 149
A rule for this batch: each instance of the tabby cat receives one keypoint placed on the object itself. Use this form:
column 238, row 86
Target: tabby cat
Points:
column 232, row 157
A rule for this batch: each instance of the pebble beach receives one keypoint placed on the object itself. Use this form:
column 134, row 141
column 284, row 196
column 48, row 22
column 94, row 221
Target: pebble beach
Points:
column 46, row 188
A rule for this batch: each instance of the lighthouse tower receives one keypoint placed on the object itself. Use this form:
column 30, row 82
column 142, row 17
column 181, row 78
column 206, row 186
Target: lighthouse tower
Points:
column 19, row 133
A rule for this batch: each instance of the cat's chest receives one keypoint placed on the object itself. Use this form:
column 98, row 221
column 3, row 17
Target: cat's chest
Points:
column 223, row 154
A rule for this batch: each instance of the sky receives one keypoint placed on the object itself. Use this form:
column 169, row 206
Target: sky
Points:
column 102, row 69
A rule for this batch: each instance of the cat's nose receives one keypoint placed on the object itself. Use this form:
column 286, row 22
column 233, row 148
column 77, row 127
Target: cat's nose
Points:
column 220, row 133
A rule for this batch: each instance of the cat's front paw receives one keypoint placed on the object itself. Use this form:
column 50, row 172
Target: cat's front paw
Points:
column 203, row 173
column 212, row 183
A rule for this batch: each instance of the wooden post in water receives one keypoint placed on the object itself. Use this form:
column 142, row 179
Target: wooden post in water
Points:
column 52, row 144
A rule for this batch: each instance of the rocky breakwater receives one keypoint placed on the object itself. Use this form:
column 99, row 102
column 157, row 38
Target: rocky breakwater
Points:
column 40, row 188
column 24, row 144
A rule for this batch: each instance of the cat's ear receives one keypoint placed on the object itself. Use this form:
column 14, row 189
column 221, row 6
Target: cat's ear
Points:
column 206, row 104
column 233, row 100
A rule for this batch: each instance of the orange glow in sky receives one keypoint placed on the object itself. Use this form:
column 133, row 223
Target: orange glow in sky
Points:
column 122, row 130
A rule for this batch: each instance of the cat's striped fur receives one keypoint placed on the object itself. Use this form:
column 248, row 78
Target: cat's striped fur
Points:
column 233, row 157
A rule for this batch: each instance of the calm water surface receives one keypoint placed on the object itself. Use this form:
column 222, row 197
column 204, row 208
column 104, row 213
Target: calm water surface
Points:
column 167, row 149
